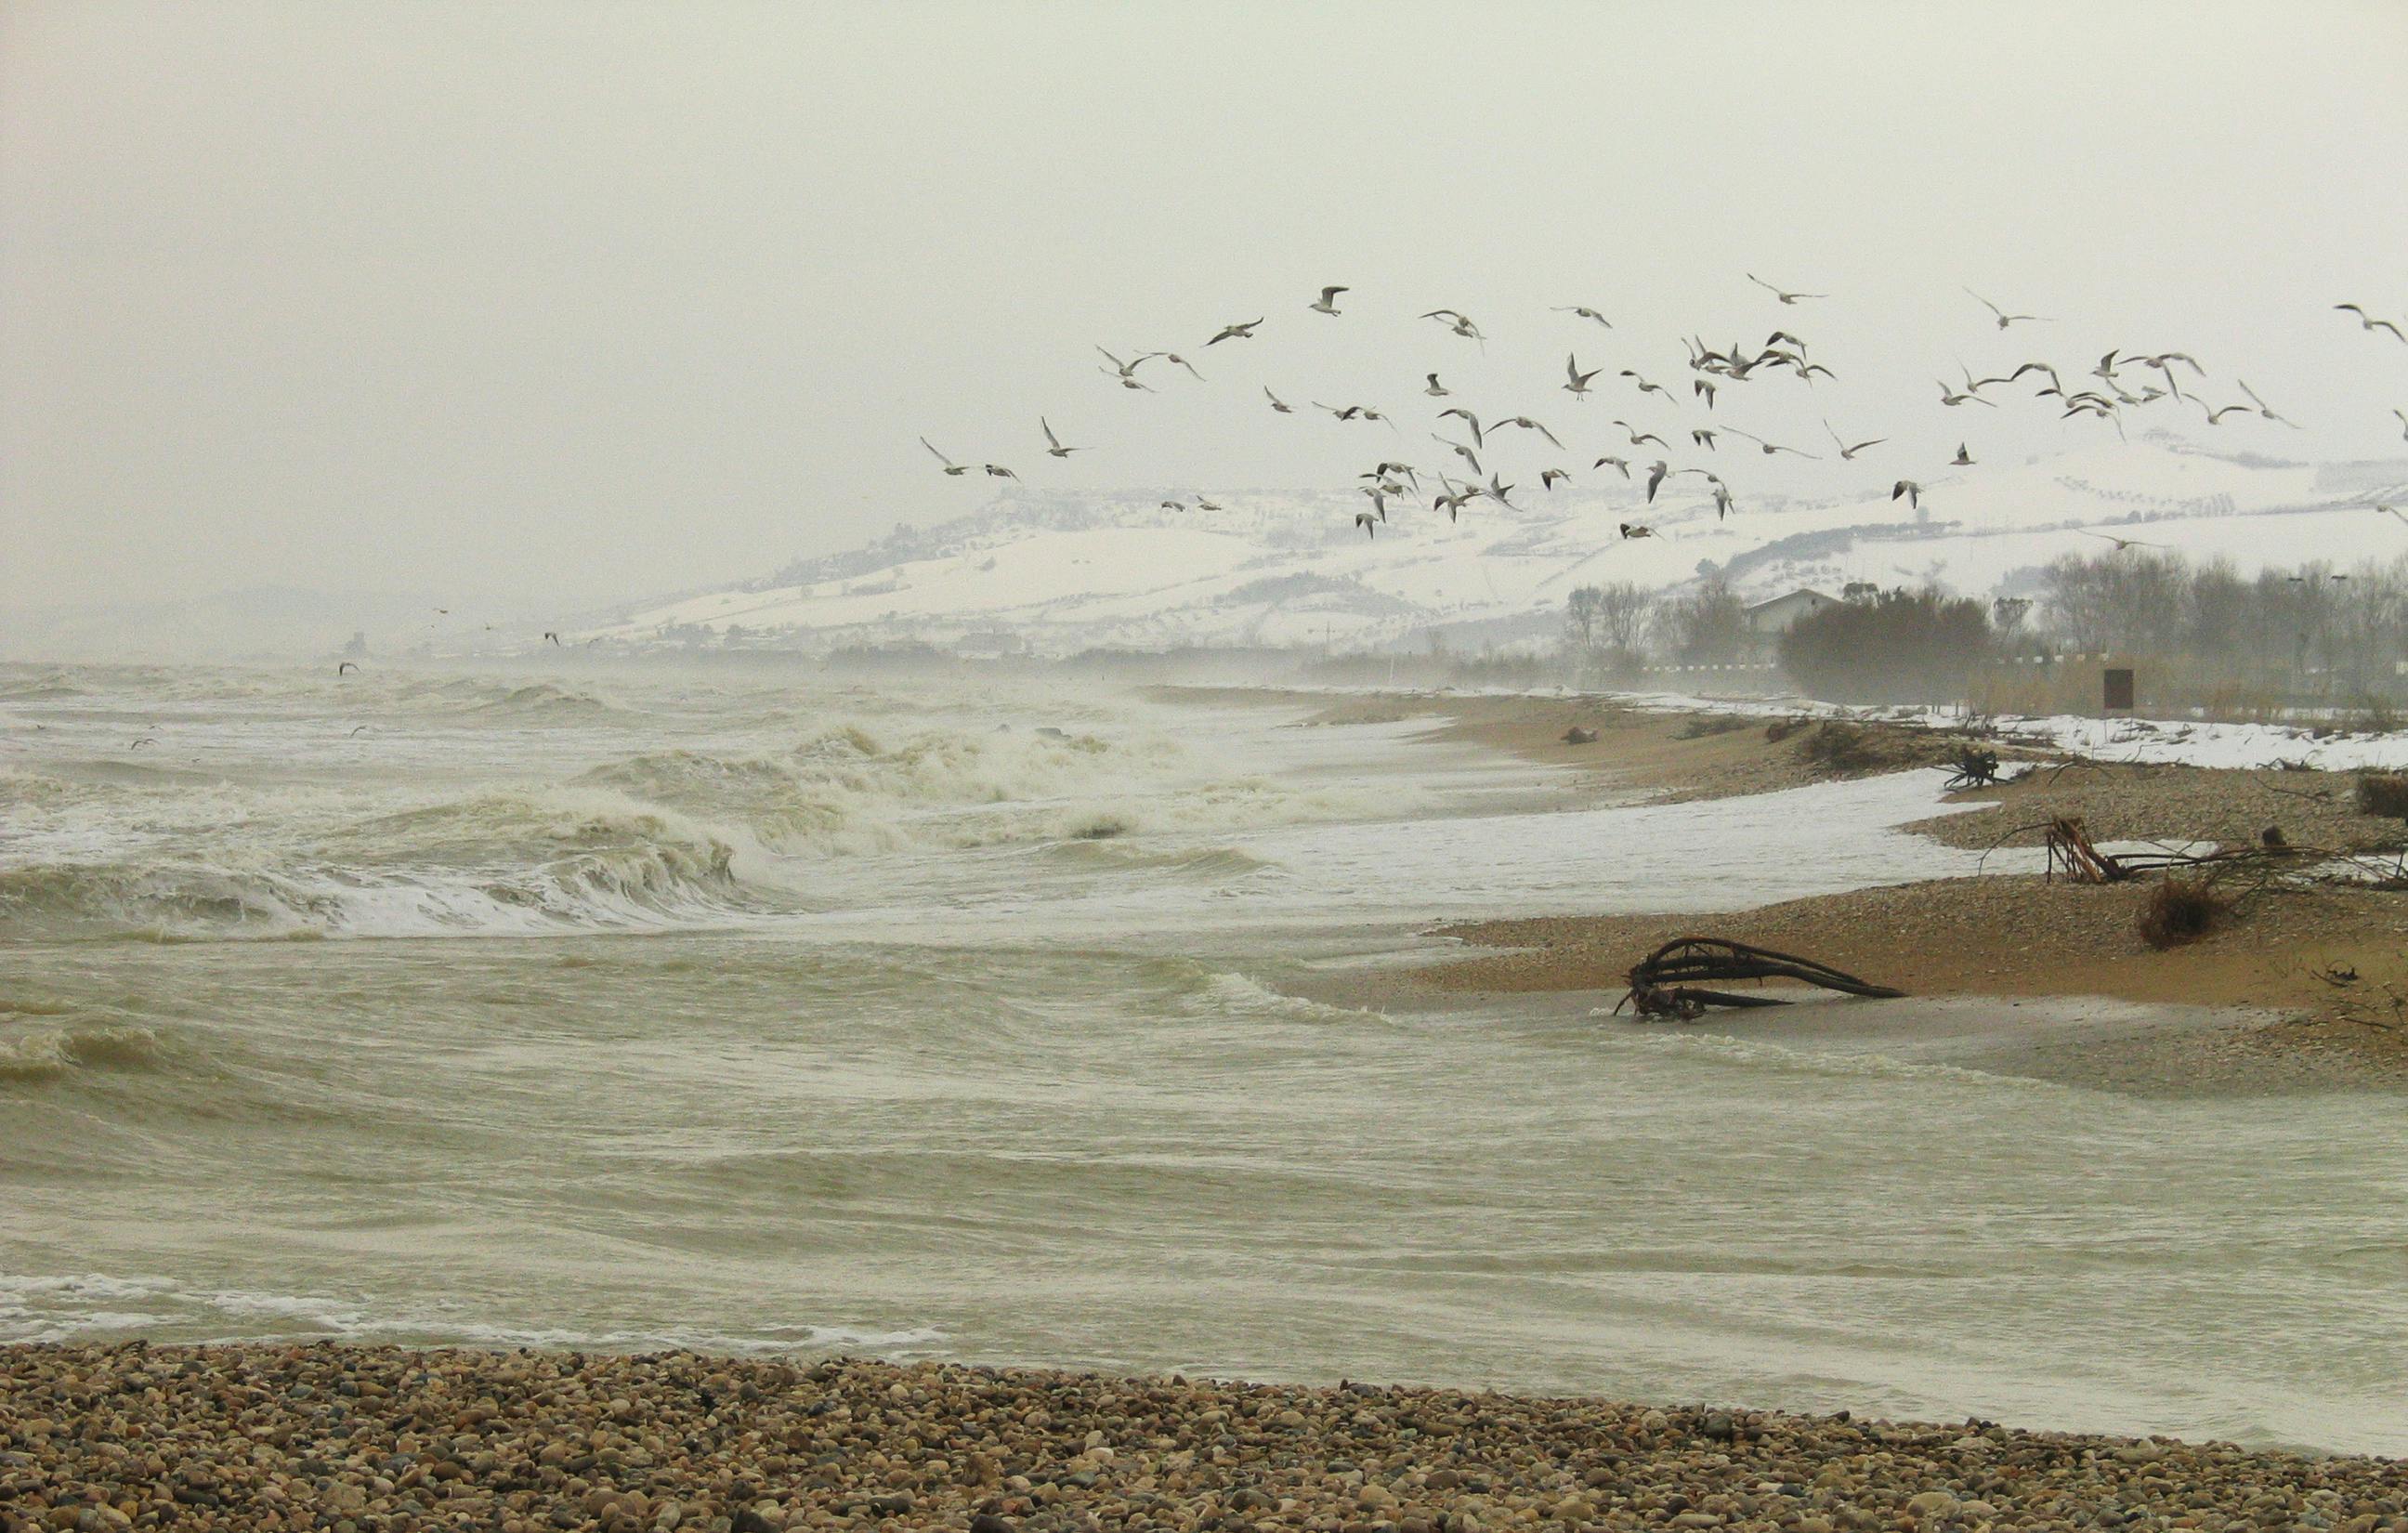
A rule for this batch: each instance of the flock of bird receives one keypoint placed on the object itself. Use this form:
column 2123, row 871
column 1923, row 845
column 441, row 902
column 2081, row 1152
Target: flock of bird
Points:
column 2120, row 383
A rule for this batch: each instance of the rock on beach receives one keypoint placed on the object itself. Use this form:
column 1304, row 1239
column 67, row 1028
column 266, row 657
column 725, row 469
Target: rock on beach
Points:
column 378, row 1440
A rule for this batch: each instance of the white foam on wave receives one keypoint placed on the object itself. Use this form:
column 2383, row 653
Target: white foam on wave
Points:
column 68, row 1307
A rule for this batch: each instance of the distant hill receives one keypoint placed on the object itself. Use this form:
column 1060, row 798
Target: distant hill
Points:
column 1057, row 573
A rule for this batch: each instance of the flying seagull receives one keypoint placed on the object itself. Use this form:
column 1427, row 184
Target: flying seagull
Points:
column 1646, row 387
column 2006, row 319
column 1701, row 388
column 1911, row 490
column 347, row 665
column 2121, row 543
column 1963, row 459
column 1702, row 437
column 2393, row 511
column 1578, row 386
column 2365, row 322
column 951, row 466
column 2404, row 421
column 1638, row 436
column 1784, row 298
column 1950, row 397
column 1584, row 313
column 1436, row 389
column 1364, row 519
column 1235, row 332
column 1527, row 425
column 1769, row 448
column 1630, row 529
column 1548, row 477
column 1623, row 464
column 1722, row 500
column 1847, row 454
column 2263, row 408
column 1175, row 360
column 1053, row 447
column 553, row 636
column 1125, row 371
column 1277, row 403
column 997, row 470
column 1656, row 472
column 1478, row 437
column 1328, row 304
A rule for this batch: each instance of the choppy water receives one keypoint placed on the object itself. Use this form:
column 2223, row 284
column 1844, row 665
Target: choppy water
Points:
column 635, row 1010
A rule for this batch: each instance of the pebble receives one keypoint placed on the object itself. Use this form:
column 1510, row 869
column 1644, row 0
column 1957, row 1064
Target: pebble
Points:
column 373, row 1439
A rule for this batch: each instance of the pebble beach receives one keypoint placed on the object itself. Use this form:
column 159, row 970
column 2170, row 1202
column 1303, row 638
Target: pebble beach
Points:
column 362, row 1439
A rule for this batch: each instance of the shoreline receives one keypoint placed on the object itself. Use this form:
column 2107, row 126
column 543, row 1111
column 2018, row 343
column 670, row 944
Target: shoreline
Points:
column 357, row 1437
column 2310, row 986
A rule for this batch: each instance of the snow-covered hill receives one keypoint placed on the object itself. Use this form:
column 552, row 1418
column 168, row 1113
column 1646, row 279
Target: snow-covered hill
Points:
column 1058, row 573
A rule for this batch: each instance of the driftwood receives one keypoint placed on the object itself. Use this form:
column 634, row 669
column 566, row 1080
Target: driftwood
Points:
column 2069, row 853
column 1972, row 768
column 1662, row 984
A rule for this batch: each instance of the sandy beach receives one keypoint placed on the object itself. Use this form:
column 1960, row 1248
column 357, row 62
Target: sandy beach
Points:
column 2299, row 989
column 354, row 1439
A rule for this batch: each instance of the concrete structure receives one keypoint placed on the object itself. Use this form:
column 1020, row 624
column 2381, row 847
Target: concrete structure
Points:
column 1772, row 619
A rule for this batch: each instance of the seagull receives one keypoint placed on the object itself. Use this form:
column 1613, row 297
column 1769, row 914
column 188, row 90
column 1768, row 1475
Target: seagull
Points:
column 1125, row 371
column 355, row 731
column 1385, row 469
column 1623, row 464
column 2393, row 511
column 1784, row 298
column 1656, row 472
column 2216, row 417
column 1584, row 313
column 1770, row 448
column 1328, row 304
column 1633, row 530
column 1963, row 459
column 1362, row 519
column 1053, row 447
column 1436, row 389
column 1235, row 332
column 1174, row 505
column 1479, row 438
column 2121, row 543
column 1204, row 505
column 1459, row 450
column 1347, row 414
column 1548, row 476
column 1847, row 454
column 347, row 665
column 2263, row 408
column 1457, row 320
column 1175, row 360
column 2366, row 322
column 1638, row 436
column 1498, row 493
column 1703, row 438
column 553, row 636
column 1911, row 490
column 1578, row 386
column 1379, row 499
column 1700, row 388
column 1527, row 425
column 1950, row 397
column 1453, row 500
column 2006, row 319
column 997, row 470
column 1646, row 387
column 951, row 467
column 2404, row 421
column 1277, row 403
column 1722, row 500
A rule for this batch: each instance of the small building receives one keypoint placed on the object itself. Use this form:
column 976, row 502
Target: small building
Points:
column 1772, row 619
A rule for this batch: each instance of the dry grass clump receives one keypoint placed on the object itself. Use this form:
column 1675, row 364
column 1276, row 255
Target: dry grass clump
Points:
column 1836, row 746
column 1708, row 725
column 2385, row 794
column 2181, row 911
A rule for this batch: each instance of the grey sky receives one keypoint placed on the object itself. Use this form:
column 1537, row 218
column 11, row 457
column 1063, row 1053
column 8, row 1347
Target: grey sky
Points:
column 567, row 301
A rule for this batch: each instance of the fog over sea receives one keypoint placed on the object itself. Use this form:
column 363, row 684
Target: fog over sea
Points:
column 636, row 1009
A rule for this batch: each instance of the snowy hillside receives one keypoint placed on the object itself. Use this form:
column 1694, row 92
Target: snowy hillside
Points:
column 1059, row 573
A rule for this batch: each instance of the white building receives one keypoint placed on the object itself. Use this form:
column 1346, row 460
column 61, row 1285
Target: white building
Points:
column 1772, row 619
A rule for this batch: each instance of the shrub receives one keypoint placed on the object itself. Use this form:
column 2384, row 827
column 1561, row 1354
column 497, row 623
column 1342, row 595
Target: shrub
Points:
column 2181, row 911
column 2385, row 794
column 1902, row 646
column 1837, row 747
column 1711, row 723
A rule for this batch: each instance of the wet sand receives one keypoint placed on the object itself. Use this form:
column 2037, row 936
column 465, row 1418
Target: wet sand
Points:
column 2306, row 989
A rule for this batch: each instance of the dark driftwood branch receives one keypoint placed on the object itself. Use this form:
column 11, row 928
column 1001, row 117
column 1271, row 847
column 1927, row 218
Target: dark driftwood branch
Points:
column 1665, row 983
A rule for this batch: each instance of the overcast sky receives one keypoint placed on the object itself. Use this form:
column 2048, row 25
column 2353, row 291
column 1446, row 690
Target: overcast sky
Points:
column 564, row 302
